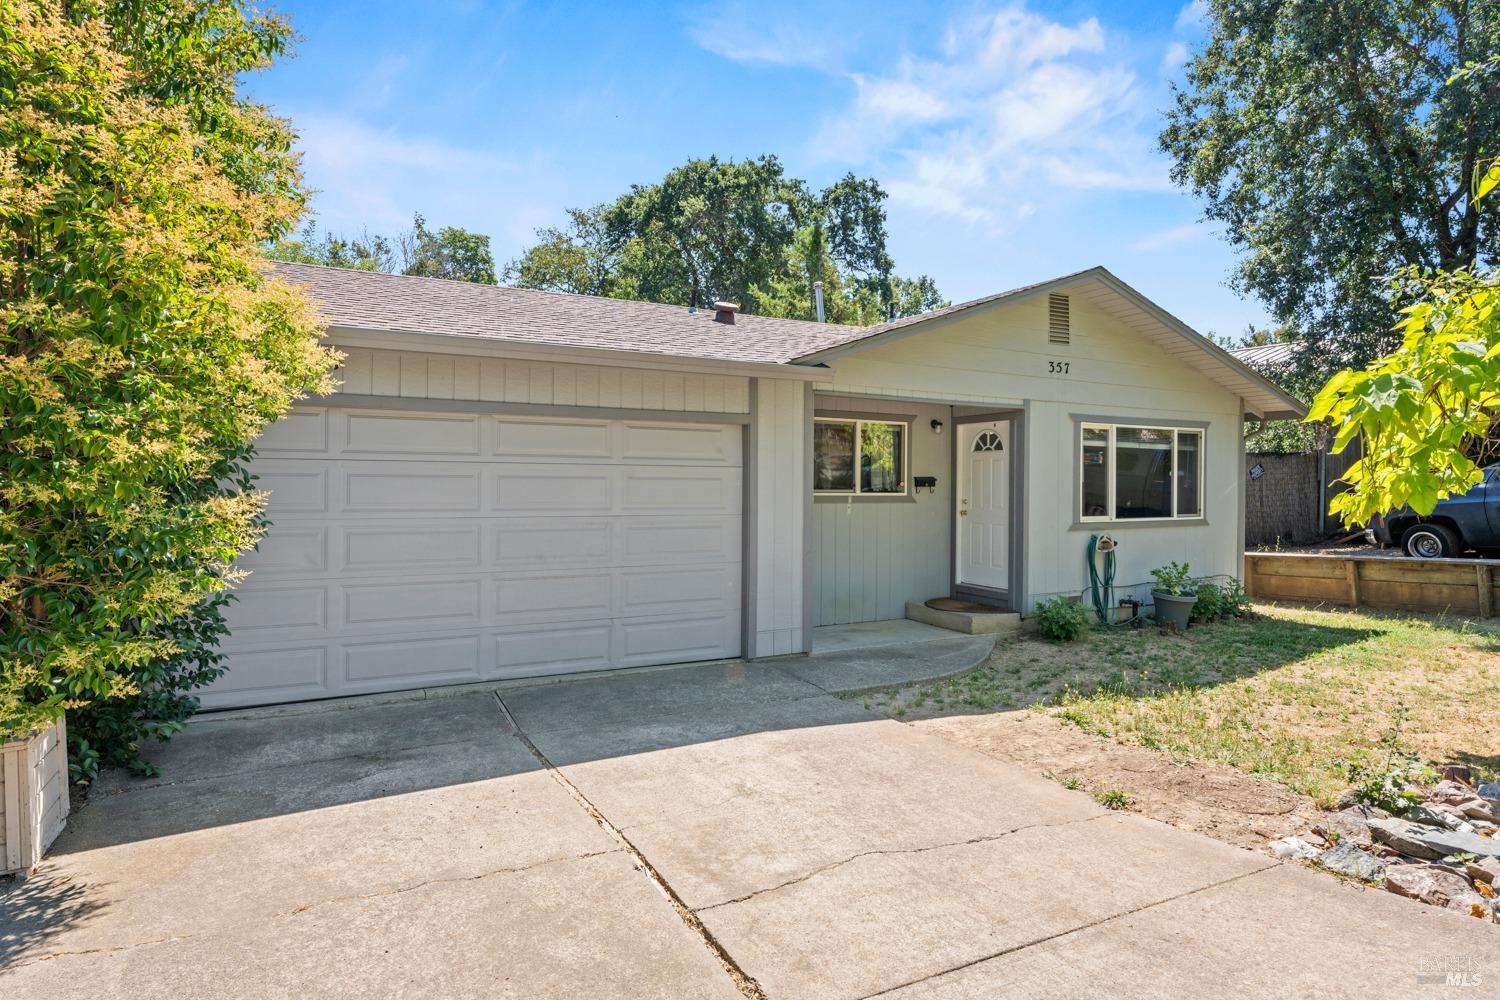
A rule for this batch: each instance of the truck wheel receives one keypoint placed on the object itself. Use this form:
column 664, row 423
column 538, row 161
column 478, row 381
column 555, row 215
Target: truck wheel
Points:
column 1430, row 541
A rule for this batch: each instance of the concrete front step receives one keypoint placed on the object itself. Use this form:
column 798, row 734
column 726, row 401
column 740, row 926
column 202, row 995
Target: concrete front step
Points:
column 972, row 622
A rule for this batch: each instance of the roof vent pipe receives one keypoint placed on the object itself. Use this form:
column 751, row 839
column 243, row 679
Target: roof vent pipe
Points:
column 724, row 311
column 818, row 298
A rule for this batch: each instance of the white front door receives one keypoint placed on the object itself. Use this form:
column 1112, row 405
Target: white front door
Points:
column 984, row 504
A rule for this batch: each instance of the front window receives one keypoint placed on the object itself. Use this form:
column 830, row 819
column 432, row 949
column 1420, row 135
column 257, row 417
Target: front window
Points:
column 1131, row 473
column 859, row 457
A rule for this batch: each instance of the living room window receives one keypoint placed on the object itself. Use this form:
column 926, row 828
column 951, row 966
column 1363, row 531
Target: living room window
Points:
column 1136, row 473
column 859, row 457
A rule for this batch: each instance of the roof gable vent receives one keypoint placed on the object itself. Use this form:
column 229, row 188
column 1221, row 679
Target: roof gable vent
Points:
column 724, row 311
column 1059, row 329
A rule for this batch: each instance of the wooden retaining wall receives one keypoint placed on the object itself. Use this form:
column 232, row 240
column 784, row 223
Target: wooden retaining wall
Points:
column 1460, row 586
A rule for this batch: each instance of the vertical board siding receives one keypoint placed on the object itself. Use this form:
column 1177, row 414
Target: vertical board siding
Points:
column 415, row 375
column 780, row 494
column 875, row 555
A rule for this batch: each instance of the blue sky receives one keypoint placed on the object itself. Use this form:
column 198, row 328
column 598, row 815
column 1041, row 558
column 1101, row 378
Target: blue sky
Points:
column 1017, row 141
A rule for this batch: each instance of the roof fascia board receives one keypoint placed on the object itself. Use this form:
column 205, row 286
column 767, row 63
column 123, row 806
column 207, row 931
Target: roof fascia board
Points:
column 937, row 322
column 1294, row 407
column 490, row 347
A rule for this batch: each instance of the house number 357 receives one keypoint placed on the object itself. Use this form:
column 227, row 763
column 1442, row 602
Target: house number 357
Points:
column 1058, row 367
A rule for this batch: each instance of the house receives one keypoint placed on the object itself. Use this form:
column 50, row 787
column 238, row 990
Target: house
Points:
column 515, row 483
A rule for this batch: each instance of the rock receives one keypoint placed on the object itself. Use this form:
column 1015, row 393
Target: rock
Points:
column 1477, row 808
column 1484, row 870
column 1490, row 790
column 1454, row 821
column 1347, row 825
column 1346, row 859
column 1424, row 814
column 1294, row 849
column 1450, row 792
column 1422, row 841
column 1437, row 886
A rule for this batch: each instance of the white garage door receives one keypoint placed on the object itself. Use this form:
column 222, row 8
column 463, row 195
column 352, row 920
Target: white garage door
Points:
column 411, row 549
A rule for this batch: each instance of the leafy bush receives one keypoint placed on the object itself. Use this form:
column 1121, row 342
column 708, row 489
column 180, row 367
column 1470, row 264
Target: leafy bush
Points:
column 1389, row 777
column 1216, row 601
column 142, row 349
column 1060, row 619
column 1173, row 578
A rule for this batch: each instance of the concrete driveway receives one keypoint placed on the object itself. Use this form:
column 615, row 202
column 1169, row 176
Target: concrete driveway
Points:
column 721, row 831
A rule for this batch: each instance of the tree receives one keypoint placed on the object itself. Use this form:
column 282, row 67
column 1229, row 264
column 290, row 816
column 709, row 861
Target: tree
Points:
column 142, row 350
column 1328, row 141
column 366, row 252
column 1427, row 413
column 742, row 231
column 448, row 253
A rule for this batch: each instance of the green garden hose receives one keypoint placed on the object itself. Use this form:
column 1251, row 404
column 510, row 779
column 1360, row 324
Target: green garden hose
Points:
column 1102, row 588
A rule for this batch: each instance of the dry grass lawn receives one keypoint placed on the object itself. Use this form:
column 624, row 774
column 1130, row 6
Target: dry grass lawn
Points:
column 1291, row 694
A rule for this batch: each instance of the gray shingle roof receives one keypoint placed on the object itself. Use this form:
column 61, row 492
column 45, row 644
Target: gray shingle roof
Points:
column 365, row 300
column 1263, row 356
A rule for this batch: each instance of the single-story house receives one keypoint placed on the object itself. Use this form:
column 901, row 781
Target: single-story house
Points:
column 512, row 483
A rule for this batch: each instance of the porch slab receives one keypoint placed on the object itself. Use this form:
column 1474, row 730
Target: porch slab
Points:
column 937, row 655
column 971, row 622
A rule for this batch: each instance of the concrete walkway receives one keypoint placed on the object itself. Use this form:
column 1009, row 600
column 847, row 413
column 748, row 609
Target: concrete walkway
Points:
column 720, row 831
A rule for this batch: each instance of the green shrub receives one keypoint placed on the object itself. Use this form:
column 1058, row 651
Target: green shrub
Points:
column 142, row 350
column 1173, row 578
column 1216, row 601
column 1060, row 619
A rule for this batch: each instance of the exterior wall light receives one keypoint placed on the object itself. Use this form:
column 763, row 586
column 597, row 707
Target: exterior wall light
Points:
column 937, row 427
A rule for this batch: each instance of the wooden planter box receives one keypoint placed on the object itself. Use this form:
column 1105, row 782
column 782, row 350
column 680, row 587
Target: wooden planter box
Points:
column 33, row 796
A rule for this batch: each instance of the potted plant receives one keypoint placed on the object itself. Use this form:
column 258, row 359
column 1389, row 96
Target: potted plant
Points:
column 1173, row 595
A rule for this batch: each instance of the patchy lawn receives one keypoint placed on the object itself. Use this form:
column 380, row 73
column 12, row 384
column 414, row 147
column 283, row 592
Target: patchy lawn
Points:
column 1290, row 695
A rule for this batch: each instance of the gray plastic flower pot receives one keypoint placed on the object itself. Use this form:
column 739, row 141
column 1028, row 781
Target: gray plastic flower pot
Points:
column 1173, row 609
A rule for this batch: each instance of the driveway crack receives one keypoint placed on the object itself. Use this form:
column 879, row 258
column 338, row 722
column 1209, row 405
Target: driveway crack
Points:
column 400, row 890
column 823, row 869
column 742, row 980
column 111, row 950
column 1071, row 930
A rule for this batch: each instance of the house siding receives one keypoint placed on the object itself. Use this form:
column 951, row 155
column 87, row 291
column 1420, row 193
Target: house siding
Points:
column 417, row 375
column 778, row 506
column 1001, row 358
column 871, row 557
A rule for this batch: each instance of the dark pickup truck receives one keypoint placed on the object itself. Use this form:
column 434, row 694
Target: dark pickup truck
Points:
column 1457, row 524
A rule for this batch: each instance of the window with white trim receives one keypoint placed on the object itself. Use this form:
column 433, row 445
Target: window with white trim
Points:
column 1137, row 473
column 859, row 457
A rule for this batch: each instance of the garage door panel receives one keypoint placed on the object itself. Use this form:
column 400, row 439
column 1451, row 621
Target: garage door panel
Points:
column 419, row 488
column 538, row 651
column 656, row 591
column 396, row 663
column 413, row 546
column 268, row 676
column 647, row 641
column 680, row 539
column 289, row 550
column 299, row 433
column 295, row 487
column 555, row 597
column 554, row 440
column 411, row 603
column 659, row 489
column 376, row 432
column 520, row 542
column 411, row 549
column 680, row 442
column 553, row 489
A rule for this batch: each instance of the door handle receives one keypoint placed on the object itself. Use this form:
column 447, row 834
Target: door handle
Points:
column 963, row 513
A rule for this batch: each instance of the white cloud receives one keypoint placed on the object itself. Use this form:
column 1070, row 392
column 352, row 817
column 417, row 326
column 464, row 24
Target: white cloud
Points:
column 1193, row 15
column 1188, row 232
column 747, row 34
column 1174, row 58
column 1011, row 108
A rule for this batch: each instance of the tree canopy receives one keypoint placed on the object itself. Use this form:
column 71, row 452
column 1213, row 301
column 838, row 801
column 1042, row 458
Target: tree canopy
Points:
column 1427, row 413
column 741, row 231
column 1328, row 140
column 142, row 350
column 448, row 253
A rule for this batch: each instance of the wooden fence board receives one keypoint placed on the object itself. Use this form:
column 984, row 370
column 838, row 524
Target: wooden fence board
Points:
column 1459, row 586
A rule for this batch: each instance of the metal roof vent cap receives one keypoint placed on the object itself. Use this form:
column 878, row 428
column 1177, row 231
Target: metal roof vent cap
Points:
column 724, row 311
